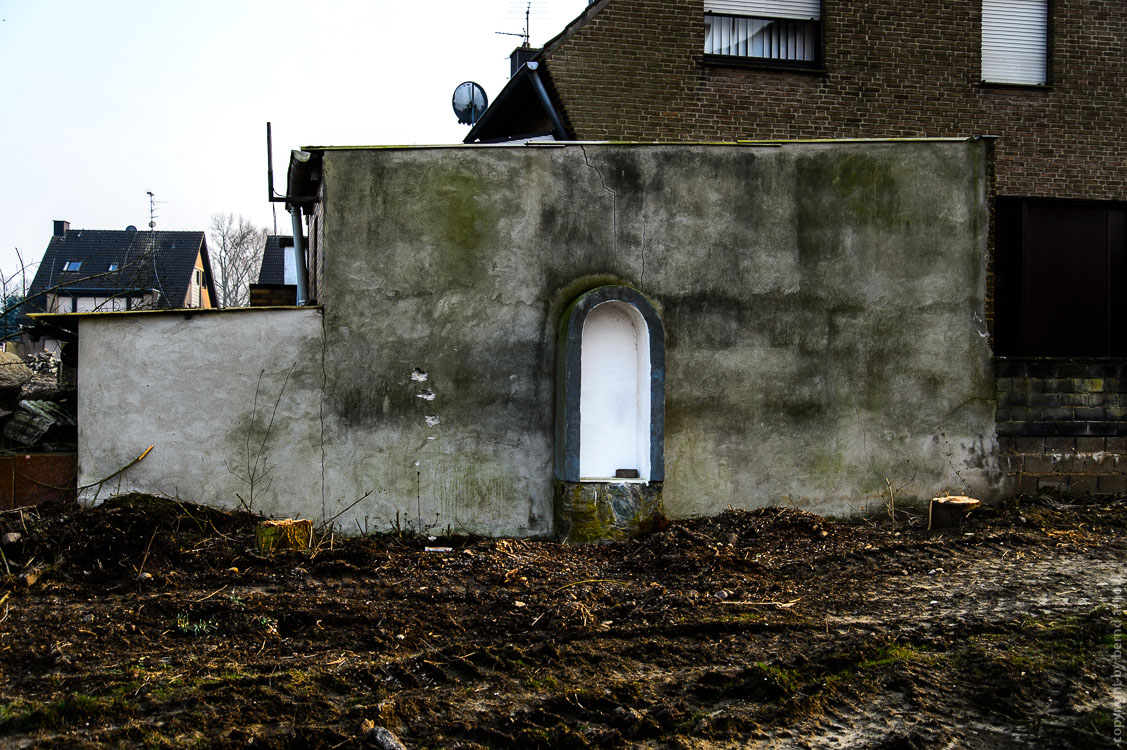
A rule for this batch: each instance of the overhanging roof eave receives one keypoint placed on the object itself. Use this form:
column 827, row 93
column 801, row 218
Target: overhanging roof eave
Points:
column 518, row 92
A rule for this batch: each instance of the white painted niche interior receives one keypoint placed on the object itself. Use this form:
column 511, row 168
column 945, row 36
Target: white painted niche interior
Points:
column 614, row 397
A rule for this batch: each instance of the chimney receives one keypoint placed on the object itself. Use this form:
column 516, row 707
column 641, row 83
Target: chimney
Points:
column 61, row 228
column 520, row 56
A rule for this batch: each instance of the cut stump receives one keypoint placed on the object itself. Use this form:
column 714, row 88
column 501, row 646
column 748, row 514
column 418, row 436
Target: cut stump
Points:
column 948, row 512
column 287, row 533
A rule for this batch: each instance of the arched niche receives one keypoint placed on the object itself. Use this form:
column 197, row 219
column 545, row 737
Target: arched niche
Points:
column 610, row 400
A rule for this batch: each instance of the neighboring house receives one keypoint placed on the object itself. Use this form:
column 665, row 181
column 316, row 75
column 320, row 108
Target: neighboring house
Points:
column 277, row 277
column 96, row 270
column 1047, row 77
column 570, row 338
column 277, row 261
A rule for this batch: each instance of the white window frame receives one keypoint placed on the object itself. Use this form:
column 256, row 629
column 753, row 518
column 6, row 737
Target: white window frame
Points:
column 1015, row 42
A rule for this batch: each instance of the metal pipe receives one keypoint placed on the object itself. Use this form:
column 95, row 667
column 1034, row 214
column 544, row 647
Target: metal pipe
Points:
column 299, row 257
column 269, row 165
column 557, row 126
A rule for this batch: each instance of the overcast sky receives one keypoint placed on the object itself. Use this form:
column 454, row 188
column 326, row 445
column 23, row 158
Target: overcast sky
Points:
column 104, row 100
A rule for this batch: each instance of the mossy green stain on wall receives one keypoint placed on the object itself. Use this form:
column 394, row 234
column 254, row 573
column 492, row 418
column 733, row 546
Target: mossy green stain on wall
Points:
column 458, row 216
column 789, row 320
column 862, row 187
column 838, row 196
column 465, row 225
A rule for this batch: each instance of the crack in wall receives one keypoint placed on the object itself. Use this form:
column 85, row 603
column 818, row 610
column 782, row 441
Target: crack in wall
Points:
column 614, row 201
column 642, row 277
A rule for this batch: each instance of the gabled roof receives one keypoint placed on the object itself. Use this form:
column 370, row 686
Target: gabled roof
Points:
column 273, row 270
column 519, row 111
column 163, row 261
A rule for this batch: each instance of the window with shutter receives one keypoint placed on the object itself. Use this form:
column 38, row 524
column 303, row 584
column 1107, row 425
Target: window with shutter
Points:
column 771, row 30
column 1015, row 35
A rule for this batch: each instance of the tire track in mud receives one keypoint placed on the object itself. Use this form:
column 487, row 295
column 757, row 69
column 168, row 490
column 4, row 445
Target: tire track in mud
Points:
column 979, row 592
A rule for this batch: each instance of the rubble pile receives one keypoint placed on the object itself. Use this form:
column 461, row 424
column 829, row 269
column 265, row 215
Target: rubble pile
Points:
column 36, row 412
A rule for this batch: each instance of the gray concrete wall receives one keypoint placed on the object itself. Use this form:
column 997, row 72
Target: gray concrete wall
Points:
column 823, row 306
column 202, row 390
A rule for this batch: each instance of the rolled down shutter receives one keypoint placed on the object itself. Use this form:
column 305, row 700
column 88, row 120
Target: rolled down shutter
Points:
column 1015, row 35
column 802, row 10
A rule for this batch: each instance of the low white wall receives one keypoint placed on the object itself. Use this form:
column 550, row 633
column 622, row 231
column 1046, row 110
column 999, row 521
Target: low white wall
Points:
column 202, row 389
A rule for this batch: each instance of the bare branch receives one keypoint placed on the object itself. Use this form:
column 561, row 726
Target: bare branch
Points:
column 236, row 254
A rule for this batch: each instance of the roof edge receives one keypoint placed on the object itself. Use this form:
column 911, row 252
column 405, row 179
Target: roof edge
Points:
column 562, row 144
column 571, row 27
column 70, row 321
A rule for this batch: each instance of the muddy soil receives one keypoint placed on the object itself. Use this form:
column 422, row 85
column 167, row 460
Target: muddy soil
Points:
column 150, row 622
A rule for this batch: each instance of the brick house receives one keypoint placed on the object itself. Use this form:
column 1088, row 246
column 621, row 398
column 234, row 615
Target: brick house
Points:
column 1047, row 79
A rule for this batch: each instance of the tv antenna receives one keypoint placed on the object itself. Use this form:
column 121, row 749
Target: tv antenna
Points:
column 524, row 34
column 152, row 209
column 469, row 102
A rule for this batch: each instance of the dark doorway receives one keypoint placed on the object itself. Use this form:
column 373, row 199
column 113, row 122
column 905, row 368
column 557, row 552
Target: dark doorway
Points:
column 1060, row 278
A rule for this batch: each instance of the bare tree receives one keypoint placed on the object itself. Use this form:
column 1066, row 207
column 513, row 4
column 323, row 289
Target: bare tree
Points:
column 13, row 292
column 236, row 254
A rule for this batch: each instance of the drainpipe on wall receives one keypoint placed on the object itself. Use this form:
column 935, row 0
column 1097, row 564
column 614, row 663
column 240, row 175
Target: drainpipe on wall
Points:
column 542, row 93
column 299, row 256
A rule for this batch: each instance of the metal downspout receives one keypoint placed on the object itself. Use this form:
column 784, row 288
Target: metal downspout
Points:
column 557, row 125
column 299, row 257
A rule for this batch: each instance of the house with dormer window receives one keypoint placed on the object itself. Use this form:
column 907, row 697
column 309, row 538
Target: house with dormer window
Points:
column 97, row 270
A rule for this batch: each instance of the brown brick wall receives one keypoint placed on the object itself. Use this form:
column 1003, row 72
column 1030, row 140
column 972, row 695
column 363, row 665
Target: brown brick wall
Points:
column 273, row 295
column 1078, row 465
column 910, row 68
column 1061, row 397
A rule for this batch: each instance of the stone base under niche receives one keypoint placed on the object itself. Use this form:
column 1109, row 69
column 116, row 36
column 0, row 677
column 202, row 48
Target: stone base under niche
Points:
column 588, row 512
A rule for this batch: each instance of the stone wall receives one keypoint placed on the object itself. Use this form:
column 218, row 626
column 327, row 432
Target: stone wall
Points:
column 822, row 308
column 1057, row 397
column 822, row 305
column 636, row 71
column 1062, row 424
column 1076, row 465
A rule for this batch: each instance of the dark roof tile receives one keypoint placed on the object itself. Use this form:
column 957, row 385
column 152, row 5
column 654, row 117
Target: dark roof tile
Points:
column 113, row 261
column 273, row 270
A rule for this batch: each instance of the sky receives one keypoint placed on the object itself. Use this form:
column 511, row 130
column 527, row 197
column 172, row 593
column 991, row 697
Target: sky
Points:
column 102, row 101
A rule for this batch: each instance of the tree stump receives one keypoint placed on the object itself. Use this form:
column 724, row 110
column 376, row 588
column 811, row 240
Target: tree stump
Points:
column 948, row 512
column 287, row 533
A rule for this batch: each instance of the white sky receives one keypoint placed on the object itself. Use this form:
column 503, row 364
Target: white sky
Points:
column 103, row 100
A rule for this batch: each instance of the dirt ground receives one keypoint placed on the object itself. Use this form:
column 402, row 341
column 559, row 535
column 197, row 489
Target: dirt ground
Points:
column 150, row 622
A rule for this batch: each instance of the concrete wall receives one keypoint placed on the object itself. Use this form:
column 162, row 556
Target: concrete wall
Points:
column 190, row 386
column 823, row 306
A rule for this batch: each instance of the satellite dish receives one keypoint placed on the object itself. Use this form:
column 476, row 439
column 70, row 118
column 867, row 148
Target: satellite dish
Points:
column 469, row 102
